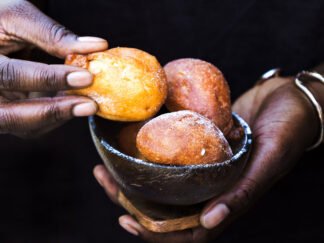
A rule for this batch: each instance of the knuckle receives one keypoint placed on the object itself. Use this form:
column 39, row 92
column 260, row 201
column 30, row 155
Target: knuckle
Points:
column 10, row 76
column 8, row 120
column 52, row 113
column 49, row 79
column 244, row 194
column 57, row 33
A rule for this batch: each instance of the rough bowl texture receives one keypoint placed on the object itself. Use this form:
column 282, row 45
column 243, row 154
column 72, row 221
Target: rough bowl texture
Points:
column 129, row 84
column 174, row 185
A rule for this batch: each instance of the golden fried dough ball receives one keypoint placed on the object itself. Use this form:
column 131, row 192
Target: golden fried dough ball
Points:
column 182, row 138
column 129, row 84
column 199, row 86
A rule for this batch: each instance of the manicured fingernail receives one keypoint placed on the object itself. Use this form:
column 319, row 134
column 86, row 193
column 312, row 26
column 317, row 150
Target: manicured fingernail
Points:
column 79, row 79
column 90, row 39
column 215, row 216
column 128, row 226
column 85, row 109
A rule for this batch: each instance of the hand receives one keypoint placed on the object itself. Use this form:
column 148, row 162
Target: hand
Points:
column 22, row 25
column 283, row 122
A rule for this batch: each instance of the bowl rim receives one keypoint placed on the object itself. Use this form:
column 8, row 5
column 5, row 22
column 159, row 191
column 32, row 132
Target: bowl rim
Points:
column 245, row 148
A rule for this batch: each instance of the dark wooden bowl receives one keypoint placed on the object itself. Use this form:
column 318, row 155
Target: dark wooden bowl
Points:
column 167, row 184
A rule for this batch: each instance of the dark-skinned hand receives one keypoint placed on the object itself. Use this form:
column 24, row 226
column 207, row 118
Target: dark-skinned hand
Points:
column 283, row 123
column 22, row 26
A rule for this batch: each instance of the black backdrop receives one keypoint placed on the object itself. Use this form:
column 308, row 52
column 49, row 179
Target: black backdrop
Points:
column 47, row 191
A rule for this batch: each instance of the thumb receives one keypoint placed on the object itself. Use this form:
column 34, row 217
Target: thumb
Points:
column 24, row 21
column 235, row 201
column 269, row 161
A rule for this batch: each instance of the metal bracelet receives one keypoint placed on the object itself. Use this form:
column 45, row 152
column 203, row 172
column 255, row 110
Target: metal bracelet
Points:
column 272, row 73
column 300, row 84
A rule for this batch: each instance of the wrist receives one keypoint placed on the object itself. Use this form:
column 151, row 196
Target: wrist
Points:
column 308, row 115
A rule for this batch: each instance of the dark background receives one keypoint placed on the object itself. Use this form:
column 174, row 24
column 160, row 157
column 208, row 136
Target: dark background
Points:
column 47, row 191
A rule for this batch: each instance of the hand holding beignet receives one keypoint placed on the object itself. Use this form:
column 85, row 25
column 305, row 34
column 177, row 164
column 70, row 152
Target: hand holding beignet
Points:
column 129, row 84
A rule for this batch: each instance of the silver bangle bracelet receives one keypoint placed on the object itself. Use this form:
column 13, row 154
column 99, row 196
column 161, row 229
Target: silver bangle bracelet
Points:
column 272, row 73
column 300, row 84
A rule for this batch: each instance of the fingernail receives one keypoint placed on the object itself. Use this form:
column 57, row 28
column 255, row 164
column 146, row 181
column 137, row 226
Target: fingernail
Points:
column 128, row 226
column 79, row 79
column 90, row 39
column 215, row 216
column 85, row 109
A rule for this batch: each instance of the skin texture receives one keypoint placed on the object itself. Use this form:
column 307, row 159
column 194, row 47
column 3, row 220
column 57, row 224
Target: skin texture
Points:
column 199, row 86
column 182, row 138
column 129, row 84
column 283, row 123
column 22, row 112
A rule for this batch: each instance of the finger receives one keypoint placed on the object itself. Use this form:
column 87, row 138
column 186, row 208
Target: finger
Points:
column 18, row 75
column 106, row 180
column 132, row 226
column 25, row 21
column 259, row 175
column 31, row 115
column 275, row 148
column 39, row 132
column 13, row 95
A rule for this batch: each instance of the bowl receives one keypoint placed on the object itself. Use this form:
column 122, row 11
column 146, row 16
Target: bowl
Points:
column 168, row 184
